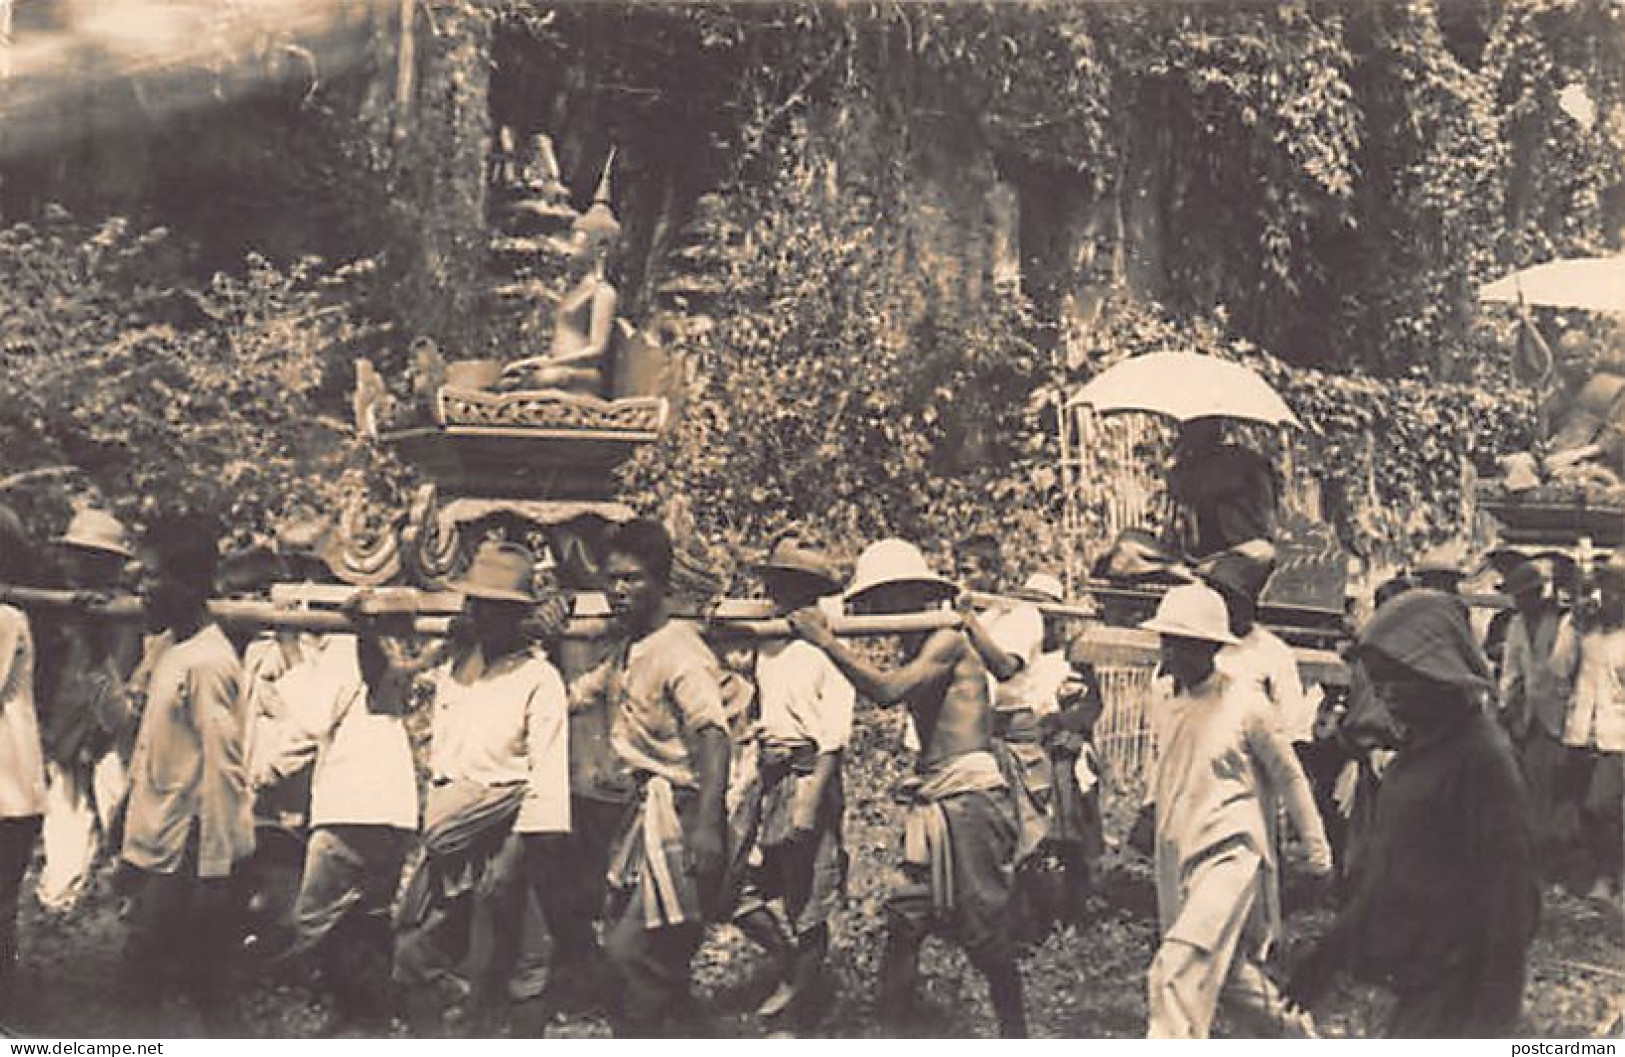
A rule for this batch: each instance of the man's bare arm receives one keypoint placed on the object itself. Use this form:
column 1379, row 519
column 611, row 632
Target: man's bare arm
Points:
column 1001, row 662
column 934, row 665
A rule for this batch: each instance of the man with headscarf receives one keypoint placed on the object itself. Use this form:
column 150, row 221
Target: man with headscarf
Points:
column 1216, row 866
column 1445, row 898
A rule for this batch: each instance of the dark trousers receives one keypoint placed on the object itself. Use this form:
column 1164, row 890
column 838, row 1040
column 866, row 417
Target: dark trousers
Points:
column 342, row 915
column 654, row 965
column 17, row 839
column 572, row 897
column 182, row 935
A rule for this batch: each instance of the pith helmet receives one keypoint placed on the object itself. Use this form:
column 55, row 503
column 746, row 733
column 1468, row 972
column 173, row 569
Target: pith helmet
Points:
column 1192, row 611
column 893, row 561
column 96, row 530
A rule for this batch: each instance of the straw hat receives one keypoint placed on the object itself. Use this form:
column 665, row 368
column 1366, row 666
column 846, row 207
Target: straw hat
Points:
column 791, row 555
column 1192, row 611
column 893, row 561
column 1042, row 587
column 501, row 572
column 96, row 530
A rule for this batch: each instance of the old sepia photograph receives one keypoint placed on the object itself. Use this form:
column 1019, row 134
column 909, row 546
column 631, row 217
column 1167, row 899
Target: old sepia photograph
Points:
column 812, row 519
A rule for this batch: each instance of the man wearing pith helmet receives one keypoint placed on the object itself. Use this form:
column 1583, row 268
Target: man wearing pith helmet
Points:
column 1214, row 860
column 959, row 840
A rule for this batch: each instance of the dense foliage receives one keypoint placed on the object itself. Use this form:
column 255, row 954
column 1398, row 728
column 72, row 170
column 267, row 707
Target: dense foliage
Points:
column 163, row 393
column 1326, row 181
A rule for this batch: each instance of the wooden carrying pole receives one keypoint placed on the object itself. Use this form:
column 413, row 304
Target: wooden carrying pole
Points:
column 590, row 619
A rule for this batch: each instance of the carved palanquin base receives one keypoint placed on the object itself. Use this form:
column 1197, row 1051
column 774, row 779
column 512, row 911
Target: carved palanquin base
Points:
column 637, row 417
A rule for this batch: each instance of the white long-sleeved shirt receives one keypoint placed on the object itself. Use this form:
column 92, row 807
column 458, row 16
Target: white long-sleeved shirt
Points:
column 22, row 761
column 364, row 775
column 1262, row 661
column 1595, row 661
column 803, row 695
column 509, row 725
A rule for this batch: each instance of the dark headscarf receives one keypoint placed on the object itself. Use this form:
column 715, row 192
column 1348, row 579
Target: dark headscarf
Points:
column 1426, row 631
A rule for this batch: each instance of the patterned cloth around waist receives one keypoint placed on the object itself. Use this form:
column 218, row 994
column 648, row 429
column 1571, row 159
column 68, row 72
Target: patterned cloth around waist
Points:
column 465, row 828
column 927, row 840
column 651, row 858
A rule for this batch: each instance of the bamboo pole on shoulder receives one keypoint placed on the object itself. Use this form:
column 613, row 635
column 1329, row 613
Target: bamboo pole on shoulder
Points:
column 592, row 620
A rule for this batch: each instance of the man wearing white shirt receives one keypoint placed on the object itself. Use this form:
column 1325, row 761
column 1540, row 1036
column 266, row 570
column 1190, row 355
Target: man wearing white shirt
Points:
column 806, row 718
column 346, row 709
column 498, row 807
column 1259, row 658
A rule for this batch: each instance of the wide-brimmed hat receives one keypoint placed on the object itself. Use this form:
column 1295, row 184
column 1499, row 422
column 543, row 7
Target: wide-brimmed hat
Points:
column 1524, row 579
column 96, row 530
column 500, row 572
column 1041, row 587
column 791, row 554
column 893, row 561
column 1192, row 611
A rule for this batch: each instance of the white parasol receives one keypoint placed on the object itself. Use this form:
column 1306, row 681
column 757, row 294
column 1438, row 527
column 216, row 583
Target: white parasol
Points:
column 1596, row 284
column 1186, row 386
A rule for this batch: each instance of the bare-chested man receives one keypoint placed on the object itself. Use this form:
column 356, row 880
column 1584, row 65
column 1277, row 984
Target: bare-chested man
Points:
column 959, row 840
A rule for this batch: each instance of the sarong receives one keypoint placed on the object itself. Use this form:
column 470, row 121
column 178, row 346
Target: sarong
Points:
column 959, row 848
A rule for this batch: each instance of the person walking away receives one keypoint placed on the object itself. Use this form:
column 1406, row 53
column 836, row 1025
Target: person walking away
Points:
column 1590, row 651
column 959, row 840
column 190, row 816
column 22, row 761
column 1219, row 752
column 1444, row 900
column 1534, row 699
column 346, row 724
column 670, row 729
column 88, row 722
column 498, row 807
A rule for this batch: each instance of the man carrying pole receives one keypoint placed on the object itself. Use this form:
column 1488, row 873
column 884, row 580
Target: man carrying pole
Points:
column 959, row 840
column 806, row 718
column 87, row 722
column 498, row 807
column 347, row 713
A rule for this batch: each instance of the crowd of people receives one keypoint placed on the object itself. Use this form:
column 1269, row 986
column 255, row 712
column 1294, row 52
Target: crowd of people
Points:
column 456, row 797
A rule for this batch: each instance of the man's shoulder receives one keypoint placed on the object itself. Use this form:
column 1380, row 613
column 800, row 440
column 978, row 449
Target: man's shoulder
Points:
column 677, row 645
column 210, row 651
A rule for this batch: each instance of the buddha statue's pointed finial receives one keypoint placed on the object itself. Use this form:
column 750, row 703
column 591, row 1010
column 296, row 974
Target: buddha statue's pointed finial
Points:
column 602, row 193
column 599, row 220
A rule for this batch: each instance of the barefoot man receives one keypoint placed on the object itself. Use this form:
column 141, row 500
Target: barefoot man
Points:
column 959, row 839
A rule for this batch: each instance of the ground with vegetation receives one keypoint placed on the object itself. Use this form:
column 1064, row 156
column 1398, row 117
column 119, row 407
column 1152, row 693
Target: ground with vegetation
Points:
column 1082, row 981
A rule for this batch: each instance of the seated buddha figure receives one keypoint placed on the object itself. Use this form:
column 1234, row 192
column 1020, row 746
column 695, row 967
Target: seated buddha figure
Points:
column 584, row 318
